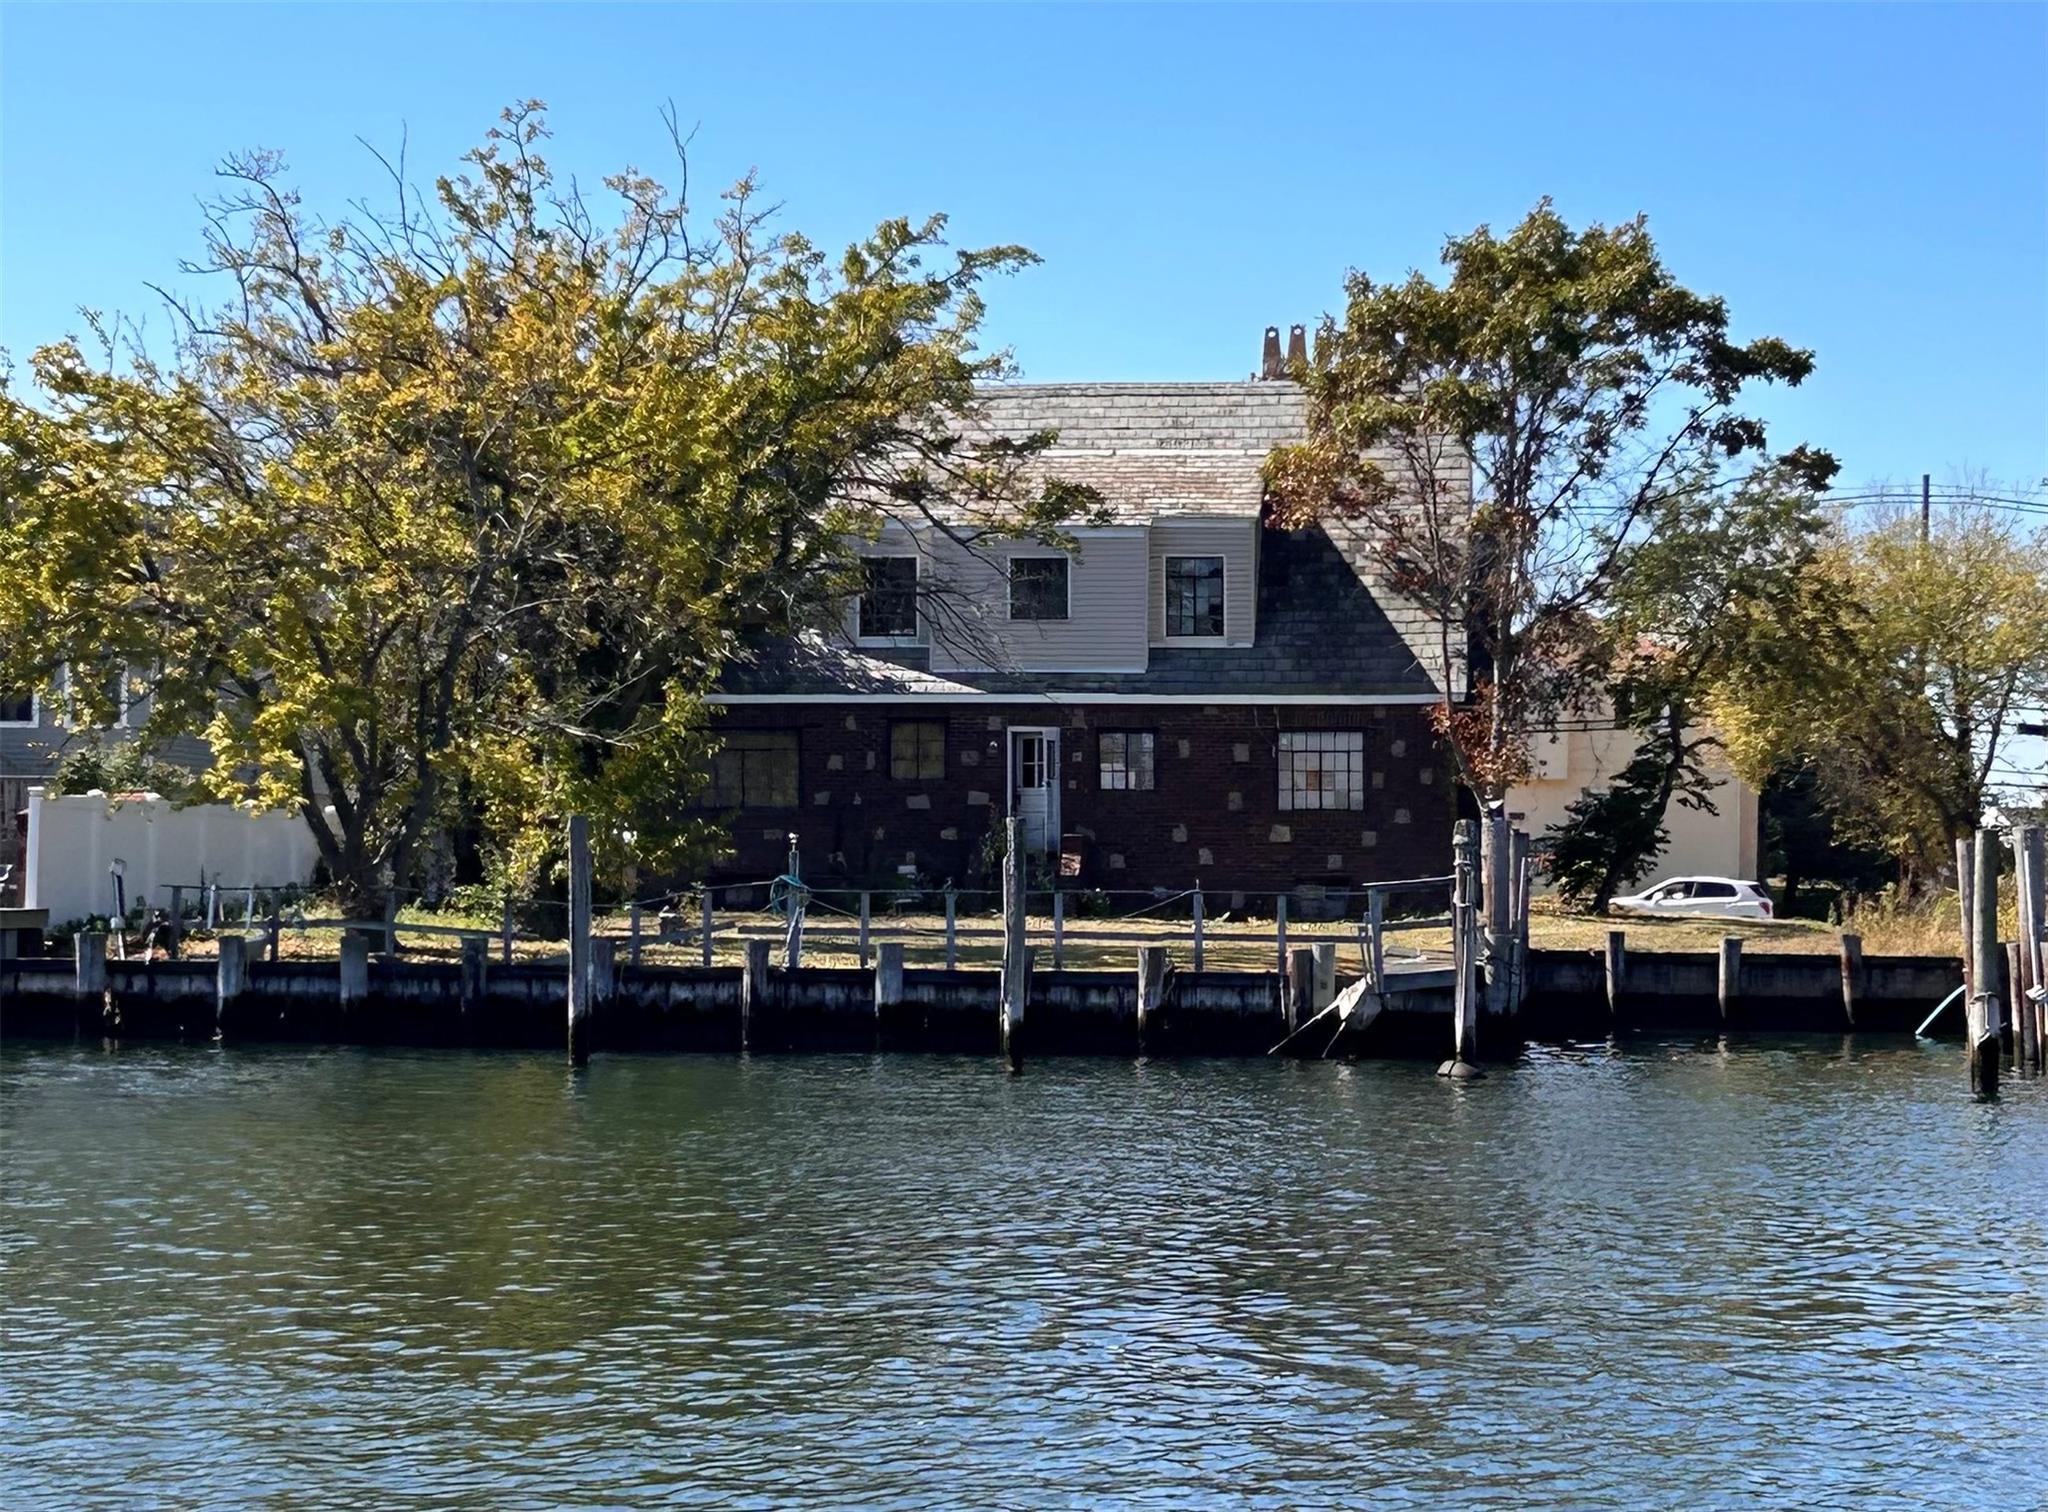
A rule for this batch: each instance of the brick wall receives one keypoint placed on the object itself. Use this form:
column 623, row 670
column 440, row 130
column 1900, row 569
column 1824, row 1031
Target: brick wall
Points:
column 1214, row 812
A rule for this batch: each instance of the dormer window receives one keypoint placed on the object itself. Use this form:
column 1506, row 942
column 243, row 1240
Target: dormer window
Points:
column 888, row 598
column 1038, row 588
column 1194, row 598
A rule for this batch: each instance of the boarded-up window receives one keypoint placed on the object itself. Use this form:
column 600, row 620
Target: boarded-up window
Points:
column 1126, row 761
column 756, row 770
column 917, row 749
column 1322, row 769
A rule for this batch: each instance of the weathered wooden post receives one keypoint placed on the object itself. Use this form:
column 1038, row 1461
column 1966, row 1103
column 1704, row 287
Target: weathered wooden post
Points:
column 633, row 934
column 1617, row 971
column 391, row 922
column 1059, row 929
column 1465, row 947
column 355, row 968
column 505, row 930
column 2019, row 1022
column 1016, row 953
column 704, row 925
column 1301, row 986
column 1376, row 939
column 1280, row 931
column 476, row 955
column 1852, row 975
column 1984, row 962
column 212, row 907
column 793, row 936
column 888, row 983
column 89, row 964
column 1966, row 884
column 604, row 970
column 1198, row 926
column 753, row 990
column 1523, row 868
column 1153, row 965
column 864, row 906
column 1324, row 989
column 175, row 933
column 2030, row 850
column 580, row 1004
column 952, row 944
column 231, row 975
column 1496, row 857
column 1728, row 979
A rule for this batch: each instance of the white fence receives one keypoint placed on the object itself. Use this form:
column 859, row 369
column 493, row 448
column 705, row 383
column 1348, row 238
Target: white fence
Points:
column 75, row 843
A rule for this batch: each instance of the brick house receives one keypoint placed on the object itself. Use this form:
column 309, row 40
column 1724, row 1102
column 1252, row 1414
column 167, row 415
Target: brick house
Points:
column 1190, row 693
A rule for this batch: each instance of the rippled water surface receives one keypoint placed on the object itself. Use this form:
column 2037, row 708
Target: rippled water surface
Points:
column 1784, row 1273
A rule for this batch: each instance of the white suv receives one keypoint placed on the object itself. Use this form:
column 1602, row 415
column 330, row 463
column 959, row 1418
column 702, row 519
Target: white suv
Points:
column 1696, row 897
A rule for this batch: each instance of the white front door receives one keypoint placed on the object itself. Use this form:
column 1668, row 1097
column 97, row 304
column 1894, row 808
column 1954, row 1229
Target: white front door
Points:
column 1034, row 778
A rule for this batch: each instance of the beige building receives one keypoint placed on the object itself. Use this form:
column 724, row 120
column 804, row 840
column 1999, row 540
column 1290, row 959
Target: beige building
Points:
column 1724, row 843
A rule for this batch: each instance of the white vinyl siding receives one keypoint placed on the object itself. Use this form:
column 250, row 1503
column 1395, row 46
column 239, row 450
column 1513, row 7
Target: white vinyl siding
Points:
column 1104, row 631
column 1237, row 542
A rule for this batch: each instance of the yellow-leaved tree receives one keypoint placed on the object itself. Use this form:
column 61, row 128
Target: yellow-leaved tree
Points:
column 448, row 514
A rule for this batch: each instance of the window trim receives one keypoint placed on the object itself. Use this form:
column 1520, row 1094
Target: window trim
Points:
column 913, row 636
column 1166, row 561
column 913, row 723
column 1284, row 791
column 1066, row 614
column 35, row 714
column 1152, row 766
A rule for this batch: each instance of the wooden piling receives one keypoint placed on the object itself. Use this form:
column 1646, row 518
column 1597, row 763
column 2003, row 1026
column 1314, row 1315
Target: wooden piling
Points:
column 1153, row 965
column 2030, row 851
column 1617, row 971
column 580, row 1004
column 1521, row 875
column 1984, row 963
column 1728, row 979
column 1466, row 946
column 2019, row 1021
column 1197, row 904
column 1280, row 930
column 863, row 938
column 753, row 991
column 888, row 981
column 1301, row 986
column 1059, row 929
column 1496, row 900
column 1324, row 954
column 604, row 971
column 1852, row 975
column 505, row 931
column 174, row 933
column 633, row 934
column 1966, row 886
column 476, row 955
column 1016, row 985
column 231, row 976
column 1376, row 939
column 273, row 930
column 355, row 967
column 704, row 925
column 89, row 964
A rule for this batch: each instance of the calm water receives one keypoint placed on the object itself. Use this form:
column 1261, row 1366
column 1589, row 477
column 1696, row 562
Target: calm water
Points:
column 1793, row 1273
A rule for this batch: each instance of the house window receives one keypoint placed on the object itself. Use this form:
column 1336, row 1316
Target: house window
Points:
column 917, row 749
column 755, row 770
column 1126, row 760
column 1322, row 769
column 888, row 598
column 1038, row 588
column 1194, row 597
column 17, row 708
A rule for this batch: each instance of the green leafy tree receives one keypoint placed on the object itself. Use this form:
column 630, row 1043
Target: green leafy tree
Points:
column 1702, row 593
column 1588, row 390
column 1898, row 677
column 464, row 502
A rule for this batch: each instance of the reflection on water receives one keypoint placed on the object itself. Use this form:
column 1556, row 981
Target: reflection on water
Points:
column 1788, row 1273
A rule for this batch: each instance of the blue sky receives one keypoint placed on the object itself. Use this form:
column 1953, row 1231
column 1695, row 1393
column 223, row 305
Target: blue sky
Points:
column 1870, row 181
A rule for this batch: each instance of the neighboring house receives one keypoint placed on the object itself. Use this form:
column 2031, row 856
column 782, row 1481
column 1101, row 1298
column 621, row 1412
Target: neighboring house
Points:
column 1567, row 763
column 1190, row 693
column 35, row 731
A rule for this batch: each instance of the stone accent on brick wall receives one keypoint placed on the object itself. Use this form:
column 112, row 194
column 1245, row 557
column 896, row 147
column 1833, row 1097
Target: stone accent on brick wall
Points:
column 1369, row 839
column 970, row 758
column 1400, row 816
column 1234, row 802
column 1241, row 753
column 918, row 801
column 821, row 799
column 1399, row 748
column 1116, row 861
column 950, row 832
column 977, row 800
column 1333, row 863
column 1180, row 834
column 1280, row 834
column 1183, row 745
column 1205, row 857
column 1426, row 776
column 1379, row 780
column 853, row 722
column 835, row 762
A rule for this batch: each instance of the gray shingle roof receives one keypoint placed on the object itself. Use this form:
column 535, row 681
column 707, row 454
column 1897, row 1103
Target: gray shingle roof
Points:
column 1154, row 448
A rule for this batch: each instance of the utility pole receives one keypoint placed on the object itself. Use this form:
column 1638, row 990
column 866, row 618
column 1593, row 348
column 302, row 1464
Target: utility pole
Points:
column 1926, row 505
